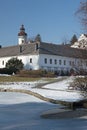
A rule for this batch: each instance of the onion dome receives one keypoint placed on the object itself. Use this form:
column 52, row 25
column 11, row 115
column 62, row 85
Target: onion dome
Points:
column 22, row 31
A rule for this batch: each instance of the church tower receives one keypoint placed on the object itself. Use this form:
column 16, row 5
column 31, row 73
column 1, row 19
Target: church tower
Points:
column 22, row 36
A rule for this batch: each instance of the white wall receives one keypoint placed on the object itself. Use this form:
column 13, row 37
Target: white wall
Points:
column 25, row 59
column 22, row 40
column 3, row 61
column 75, row 63
column 38, row 62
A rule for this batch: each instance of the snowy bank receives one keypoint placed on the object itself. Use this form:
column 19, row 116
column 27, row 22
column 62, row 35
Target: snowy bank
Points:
column 57, row 91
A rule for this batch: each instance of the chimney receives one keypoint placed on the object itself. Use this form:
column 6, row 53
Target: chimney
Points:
column 36, row 46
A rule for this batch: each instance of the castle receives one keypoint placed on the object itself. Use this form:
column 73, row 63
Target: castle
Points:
column 37, row 55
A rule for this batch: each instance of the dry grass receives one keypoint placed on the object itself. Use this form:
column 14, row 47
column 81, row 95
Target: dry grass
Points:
column 16, row 79
column 24, row 79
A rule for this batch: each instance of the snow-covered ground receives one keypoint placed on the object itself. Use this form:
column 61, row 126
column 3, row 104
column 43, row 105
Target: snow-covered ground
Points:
column 57, row 91
column 60, row 85
column 20, row 111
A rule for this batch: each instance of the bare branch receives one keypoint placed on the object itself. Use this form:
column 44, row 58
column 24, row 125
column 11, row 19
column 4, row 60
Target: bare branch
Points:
column 82, row 13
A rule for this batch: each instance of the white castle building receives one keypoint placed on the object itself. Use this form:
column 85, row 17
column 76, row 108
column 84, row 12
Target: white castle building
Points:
column 41, row 55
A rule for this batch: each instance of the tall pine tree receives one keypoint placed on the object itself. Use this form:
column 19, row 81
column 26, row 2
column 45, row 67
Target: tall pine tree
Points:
column 73, row 39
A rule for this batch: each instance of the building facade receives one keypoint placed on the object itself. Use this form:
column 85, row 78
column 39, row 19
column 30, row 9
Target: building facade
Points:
column 41, row 55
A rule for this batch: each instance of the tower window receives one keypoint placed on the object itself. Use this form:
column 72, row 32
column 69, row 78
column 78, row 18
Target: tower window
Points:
column 22, row 41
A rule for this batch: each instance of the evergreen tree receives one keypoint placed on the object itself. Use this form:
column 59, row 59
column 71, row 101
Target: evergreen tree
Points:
column 73, row 39
column 14, row 64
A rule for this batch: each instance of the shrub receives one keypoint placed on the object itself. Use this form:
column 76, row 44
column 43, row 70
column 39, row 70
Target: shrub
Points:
column 7, row 71
column 14, row 64
column 80, row 83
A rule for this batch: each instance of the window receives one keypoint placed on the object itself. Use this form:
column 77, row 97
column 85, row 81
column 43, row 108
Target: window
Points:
column 22, row 41
column 3, row 62
column 81, row 62
column 45, row 60
column 50, row 61
column 64, row 62
column 60, row 62
column 30, row 60
column 86, row 63
column 78, row 63
column 55, row 61
column 70, row 63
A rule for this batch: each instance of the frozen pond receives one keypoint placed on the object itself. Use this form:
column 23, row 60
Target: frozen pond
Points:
column 22, row 112
column 11, row 98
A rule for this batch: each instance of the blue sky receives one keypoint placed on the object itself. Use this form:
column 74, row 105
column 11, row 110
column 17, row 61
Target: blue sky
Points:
column 54, row 20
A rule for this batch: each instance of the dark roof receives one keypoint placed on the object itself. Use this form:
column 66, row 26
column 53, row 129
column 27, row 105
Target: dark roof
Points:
column 18, row 50
column 62, row 50
column 22, row 31
column 43, row 48
column 22, row 34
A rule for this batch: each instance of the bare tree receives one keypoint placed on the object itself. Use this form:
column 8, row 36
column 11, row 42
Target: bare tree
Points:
column 82, row 13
